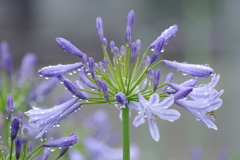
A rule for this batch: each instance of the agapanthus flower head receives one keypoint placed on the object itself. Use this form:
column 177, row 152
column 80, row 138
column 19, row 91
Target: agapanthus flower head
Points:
column 132, row 79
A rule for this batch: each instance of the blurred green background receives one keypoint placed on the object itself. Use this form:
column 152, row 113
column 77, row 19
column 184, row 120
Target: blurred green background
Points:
column 209, row 33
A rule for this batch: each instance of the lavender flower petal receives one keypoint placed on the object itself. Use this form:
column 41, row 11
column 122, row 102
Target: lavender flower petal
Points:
column 121, row 98
column 138, row 120
column 195, row 70
column 9, row 106
column 69, row 47
column 168, row 79
column 73, row 89
column 83, row 78
column 130, row 19
column 58, row 70
column 156, row 79
column 47, row 151
column 99, row 27
column 6, row 57
column 80, row 85
column 62, row 142
column 14, row 128
column 18, row 146
column 157, row 49
column 153, row 128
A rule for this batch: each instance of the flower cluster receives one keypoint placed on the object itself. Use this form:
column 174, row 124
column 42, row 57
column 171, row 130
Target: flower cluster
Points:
column 131, row 79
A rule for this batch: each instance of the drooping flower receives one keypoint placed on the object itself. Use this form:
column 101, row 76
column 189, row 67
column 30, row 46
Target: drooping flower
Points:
column 44, row 119
column 153, row 109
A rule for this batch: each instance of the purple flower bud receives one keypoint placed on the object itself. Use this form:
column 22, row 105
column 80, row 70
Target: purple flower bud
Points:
column 133, row 51
column 63, row 151
column 62, row 142
column 105, row 42
column 112, row 45
column 105, row 63
column 128, row 35
column 92, row 67
column 168, row 79
column 195, row 70
column 116, row 50
column 20, row 118
column 58, row 70
column 9, row 107
column 47, row 151
column 83, row 78
column 138, row 43
column 69, row 47
column 98, row 82
column 6, row 56
column 73, row 89
column 105, row 90
column 121, row 98
column 99, row 27
column 157, row 49
column 182, row 93
column 130, row 19
column 30, row 148
column 80, row 85
column 28, row 65
column 24, row 142
column 25, row 132
column 156, row 78
column 18, row 145
column 61, row 78
column 122, row 50
column 150, row 74
column 190, row 83
column 147, row 61
column 14, row 128
column 5, row 150
column 85, row 61
column 167, row 34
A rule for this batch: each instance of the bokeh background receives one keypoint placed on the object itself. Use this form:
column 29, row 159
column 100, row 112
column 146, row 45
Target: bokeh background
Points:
column 209, row 33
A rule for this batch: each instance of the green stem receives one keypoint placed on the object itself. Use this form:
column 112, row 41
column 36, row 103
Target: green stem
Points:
column 36, row 154
column 11, row 149
column 39, row 147
column 125, row 133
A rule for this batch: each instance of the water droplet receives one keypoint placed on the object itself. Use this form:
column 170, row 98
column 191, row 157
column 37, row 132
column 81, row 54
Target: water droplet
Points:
column 207, row 65
column 139, row 112
column 152, row 49
column 162, row 50
column 46, row 77
column 70, row 73
column 184, row 74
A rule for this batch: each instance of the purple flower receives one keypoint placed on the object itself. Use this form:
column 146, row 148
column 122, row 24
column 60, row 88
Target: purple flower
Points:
column 9, row 106
column 62, row 142
column 129, row 35
column 152, row 109
column 14, row 128
column 28, row 65
column 73, row 89
column 44, row 119
column 167, row 34
column 58, row 70
column 81, row 86
column 121, row 99
column 99, row 27
column 105, row 90
column 85, row 80
column 156, row 79
column 6, row 57
column 130, row 19
column 69, row 47
column 195, row 70
column 18, row 146
column 157, row 49
column 47, row 151
column 168, row 79
column 112, row 45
